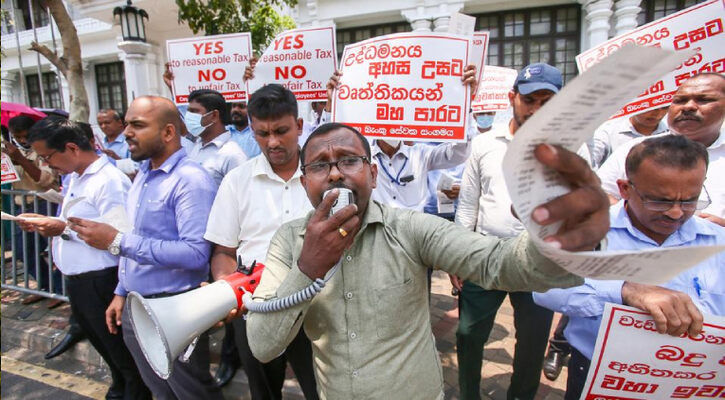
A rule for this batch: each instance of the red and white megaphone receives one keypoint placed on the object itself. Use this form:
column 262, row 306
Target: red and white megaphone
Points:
column 164, row 327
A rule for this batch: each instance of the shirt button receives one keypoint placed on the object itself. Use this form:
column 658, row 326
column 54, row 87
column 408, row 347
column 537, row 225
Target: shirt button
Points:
column 353, row 335
column 348, row 295
column 348, row 258
column 145, row 184
column 395, row 197
column 355, row 374
column 287, row 211
column 390, row 164
column 286, row 187
column 138, row 204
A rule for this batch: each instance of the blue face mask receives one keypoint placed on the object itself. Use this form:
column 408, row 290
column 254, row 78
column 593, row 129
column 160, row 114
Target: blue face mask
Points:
column 193, row 123
column 484, row 121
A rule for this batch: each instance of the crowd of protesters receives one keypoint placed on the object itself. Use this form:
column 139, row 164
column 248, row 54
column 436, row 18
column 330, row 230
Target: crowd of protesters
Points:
column 218, row 184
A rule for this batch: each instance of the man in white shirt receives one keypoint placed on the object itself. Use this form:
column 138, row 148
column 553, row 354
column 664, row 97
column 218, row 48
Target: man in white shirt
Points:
column 91, row 274
column 206, row 118
column 697, row 112
column 485, row 207
column 253, row 201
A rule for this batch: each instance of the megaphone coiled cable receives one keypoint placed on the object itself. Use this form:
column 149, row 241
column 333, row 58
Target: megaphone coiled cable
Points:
column 289, row 301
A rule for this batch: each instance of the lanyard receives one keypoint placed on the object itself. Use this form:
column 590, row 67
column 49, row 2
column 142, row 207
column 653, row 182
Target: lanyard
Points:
column 395, row 180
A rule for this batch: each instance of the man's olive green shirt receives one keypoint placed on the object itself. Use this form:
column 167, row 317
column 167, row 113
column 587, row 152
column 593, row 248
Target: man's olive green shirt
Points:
column 370, row 326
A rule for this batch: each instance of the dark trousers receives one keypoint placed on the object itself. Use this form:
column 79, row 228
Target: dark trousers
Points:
column 557, row 342
column 478, row 308
column 90, row 294
column 578, row 369
column 229, row 354
column 266, row 379
column 190, row 380
column 26, row 252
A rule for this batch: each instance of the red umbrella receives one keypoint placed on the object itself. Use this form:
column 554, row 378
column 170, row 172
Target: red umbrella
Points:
column 9, row 110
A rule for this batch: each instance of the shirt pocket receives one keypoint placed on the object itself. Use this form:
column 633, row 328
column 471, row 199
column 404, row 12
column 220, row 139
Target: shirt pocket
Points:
column 157, row 213
column 393, row 307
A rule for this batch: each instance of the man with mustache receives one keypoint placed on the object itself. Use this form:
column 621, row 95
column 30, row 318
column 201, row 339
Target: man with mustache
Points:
column 370, row 324
column 697, row 112
column 241, row 131
column 253, row 201
column 660, row 195
column 165, row 253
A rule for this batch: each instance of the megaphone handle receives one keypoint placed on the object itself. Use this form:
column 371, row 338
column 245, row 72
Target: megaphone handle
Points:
column 290, row 301
column 189, row 349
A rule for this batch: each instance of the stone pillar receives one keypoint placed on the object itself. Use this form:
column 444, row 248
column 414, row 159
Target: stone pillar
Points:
column 419, row 19
column 597, row 15
column 10, row 86
column 139, row 67
column 442, row 18
column 626, row 15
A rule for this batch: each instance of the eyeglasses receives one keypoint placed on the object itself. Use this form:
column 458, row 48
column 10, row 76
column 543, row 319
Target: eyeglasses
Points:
column 48, row 157
column 347, row 165
column 666, row 205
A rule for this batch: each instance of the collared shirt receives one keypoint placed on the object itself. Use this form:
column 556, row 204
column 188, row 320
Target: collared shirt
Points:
column 245, row 140
column 412, row 161
column 218, row 156
column 614, row 168
column 370, row 325
column 484, row 204
column 169, row 207
column 252, row 203
column 118, row 146
column 104, row 187
column 704, row 283
column 613, row 134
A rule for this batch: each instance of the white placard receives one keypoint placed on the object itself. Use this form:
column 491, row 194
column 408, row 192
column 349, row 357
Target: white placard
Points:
column 699, row 28
column 9, row 173
column 479, row 52
column 302, row 60
column 210, row 62
column 406, row 86
column 461, row 24
column 493, row 89
column 569, row 119
column 632, row 361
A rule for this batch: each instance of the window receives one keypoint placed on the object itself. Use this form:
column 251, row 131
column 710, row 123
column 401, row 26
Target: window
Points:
column 51, row 91
column 111, row 82
column 655, row 9
column 354, row 35
column 521, row 37
column 40, row 15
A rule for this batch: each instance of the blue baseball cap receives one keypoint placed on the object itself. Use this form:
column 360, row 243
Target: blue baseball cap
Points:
column 538, row 76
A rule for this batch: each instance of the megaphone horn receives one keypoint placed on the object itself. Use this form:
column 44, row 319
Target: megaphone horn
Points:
column 164, row 327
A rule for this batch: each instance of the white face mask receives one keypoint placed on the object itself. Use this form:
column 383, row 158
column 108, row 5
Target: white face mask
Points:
column 193, row 123
column 392, row 143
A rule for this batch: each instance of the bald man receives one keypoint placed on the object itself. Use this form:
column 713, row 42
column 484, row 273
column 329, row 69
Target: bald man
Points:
column 165, row 254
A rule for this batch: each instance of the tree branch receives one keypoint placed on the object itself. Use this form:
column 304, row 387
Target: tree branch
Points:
column 51, row 56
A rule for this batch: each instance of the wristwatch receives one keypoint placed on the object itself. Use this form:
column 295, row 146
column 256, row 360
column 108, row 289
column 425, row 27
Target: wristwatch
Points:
column 115, row 247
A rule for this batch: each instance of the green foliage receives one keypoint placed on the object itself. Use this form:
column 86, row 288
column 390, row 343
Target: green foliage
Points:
column 260, row 17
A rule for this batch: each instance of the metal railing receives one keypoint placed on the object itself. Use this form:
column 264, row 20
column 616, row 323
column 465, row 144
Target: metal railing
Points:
column 20, row 277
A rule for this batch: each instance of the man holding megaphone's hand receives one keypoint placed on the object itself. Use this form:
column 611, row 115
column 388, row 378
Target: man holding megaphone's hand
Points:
column 370, row 324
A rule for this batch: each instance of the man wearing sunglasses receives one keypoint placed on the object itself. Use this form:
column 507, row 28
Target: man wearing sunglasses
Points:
column 663, row 190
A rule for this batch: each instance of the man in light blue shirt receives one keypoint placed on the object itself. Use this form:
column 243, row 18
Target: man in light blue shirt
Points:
column 662, row 193
column 241, row 130
column 165, row 253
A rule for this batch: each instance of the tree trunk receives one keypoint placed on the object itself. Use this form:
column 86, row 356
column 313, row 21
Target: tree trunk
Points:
column 70, row 63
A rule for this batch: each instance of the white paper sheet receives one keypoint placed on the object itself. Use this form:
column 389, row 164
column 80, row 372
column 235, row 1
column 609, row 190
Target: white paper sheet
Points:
column 461, row 24
column 568, row 120
column 118, row 219
column 51, row 195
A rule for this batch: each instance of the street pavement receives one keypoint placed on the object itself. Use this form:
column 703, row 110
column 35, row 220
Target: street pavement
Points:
column 29, row 331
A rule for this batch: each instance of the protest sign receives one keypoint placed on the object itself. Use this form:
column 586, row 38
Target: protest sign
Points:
column 493, row 89
column 479, row 51
column 699, row 28
column 407, row 86
column 302, row 60
column 210, row 62
column 632, row 361
column 9, row 174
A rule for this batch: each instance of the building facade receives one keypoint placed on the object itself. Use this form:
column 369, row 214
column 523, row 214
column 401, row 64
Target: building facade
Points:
column 115, row 72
